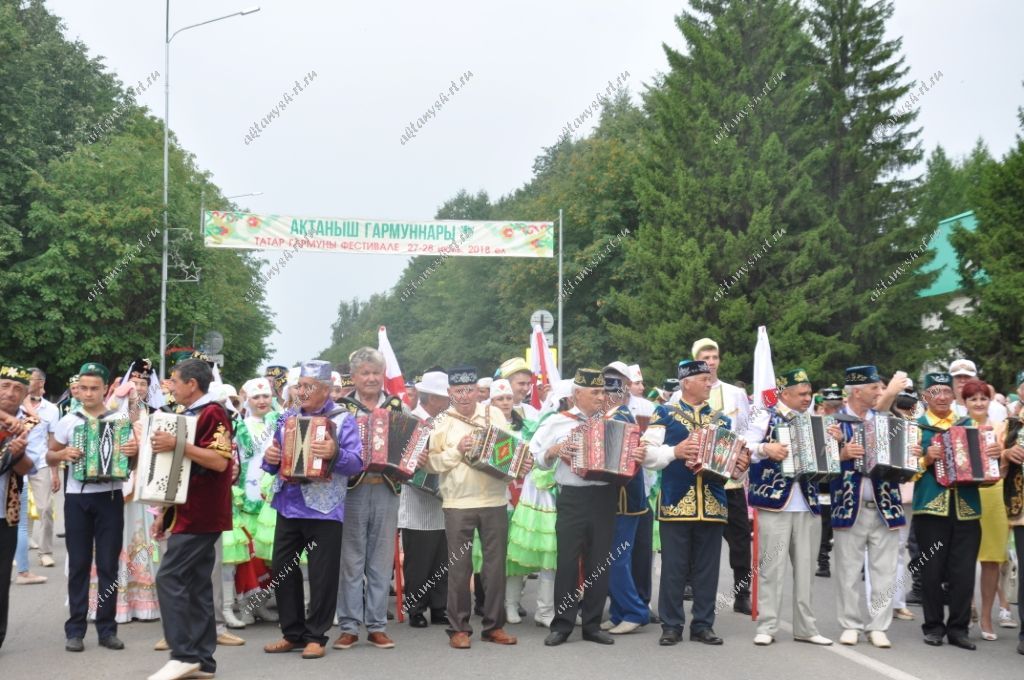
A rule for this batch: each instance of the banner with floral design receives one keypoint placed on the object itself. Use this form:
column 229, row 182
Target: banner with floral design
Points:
column 378, row 237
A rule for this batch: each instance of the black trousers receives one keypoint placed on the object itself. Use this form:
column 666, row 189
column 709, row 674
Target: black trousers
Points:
column 949, row 548
column 8, row 544
column 93, row 521
column 425, row 571
column 185, row 590
column 643, row 557
column 686, row 546
column 321, row 539
column 825, row 546
column 1018, row 540
column 585, row 526
column 737, row 535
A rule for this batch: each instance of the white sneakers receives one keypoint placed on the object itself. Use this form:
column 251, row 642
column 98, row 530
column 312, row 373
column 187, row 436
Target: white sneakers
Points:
column 175, row 670
column 623, row 628
column 46, row 560
column 763, row 639
column 849, row 637
column 512, row 614
column 879, row 639
column 607, row 625
column 815, row 640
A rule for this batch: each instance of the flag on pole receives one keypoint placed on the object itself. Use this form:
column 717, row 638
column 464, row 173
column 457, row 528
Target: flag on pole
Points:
column 765, row 389
column 394, row 384
column 543, row 367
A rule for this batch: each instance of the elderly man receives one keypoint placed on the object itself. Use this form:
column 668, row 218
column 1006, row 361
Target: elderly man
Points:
column 947, row 524
column 585, row 523
column 866, row 515
column 14, row 464
column 789, row 523
column 310, row 516
column 520, row 377
column 371, row 519
column 691, row 508
column 94, row 519
column 472, row 500
column 421, row 519
column 45, row 481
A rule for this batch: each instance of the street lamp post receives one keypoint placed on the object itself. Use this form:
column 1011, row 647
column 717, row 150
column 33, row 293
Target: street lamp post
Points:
column 168, row 37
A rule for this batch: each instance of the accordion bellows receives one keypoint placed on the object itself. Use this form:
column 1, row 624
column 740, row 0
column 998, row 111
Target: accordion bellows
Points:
column 100, row 440
column 603, row 450
column 162, row 478
column 813, row 453
column 887, row 448
column 719, row 453
column 392, row 441
column 964, row 462
column 297, row 460
column 498, row 453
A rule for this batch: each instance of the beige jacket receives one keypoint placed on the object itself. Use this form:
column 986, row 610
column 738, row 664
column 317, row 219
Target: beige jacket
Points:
column 463, row 486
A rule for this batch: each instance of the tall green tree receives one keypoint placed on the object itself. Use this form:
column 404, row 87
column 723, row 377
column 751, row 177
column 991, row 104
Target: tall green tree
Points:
column 992, row 332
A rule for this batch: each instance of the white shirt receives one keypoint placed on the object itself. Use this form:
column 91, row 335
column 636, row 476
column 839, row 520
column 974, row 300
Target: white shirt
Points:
column 38, row 438
column 528, row 411
column 552, row 431
column 62, row 434
column 417, row 509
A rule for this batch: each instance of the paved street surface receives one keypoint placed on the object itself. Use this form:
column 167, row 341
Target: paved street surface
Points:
column 35, row 649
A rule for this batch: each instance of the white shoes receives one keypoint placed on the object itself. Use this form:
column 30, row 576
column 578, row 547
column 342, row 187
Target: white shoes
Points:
column 624, row 628
column 512, row 614
column 607, row 625
column 849, row 637
column 230, row 619
column 879, row 639
column 763, row 639
column 815, row 640
column 175, row 670
column 46, row 560
column 1006, row 619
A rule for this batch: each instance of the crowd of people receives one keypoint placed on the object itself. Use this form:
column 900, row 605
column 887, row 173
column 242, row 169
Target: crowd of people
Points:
column 253, row 542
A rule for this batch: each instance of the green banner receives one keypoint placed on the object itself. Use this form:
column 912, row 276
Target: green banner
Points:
column 378, row 237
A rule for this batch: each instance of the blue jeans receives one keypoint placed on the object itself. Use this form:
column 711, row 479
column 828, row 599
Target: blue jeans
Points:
column 626, row 605
column 21, row 552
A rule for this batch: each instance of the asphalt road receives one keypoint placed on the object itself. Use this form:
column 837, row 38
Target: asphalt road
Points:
column 35, row 649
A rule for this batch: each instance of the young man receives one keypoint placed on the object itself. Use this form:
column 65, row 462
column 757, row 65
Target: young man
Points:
column 94, row 519
column 520, row 377
column 183, row 582
column 309, row 517
column 14, row 464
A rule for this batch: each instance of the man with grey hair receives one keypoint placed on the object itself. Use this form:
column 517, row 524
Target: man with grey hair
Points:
column 371, row 520
column 866, row 515
column 310, row 517
column 44, row 482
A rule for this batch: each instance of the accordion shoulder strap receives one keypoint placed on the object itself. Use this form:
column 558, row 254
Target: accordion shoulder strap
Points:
column 453, row 414
column 174, row 474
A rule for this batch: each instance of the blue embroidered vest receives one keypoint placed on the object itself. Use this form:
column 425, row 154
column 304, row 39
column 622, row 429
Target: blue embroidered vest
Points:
column 685, row 496
column 846, row 495
column 632, row 496
column 769, row 489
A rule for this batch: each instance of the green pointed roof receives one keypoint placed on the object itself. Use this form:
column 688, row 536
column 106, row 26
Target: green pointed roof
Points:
column 946, row 262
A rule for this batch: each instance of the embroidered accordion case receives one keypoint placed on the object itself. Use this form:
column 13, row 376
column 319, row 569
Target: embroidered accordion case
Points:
column 100, row 440
column 498, row 453
column 297, row 460
column 603, row 450
column 963, row 462
column 162, row 478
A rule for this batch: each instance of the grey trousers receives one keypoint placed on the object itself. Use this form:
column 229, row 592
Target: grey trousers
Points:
column 367, row 557
column 492, row 524
column 186, row 598
column 796, row 535
column 44, row 501
column 883, row 544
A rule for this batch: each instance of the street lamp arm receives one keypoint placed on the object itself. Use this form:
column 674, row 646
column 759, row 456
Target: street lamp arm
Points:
column 210, row 21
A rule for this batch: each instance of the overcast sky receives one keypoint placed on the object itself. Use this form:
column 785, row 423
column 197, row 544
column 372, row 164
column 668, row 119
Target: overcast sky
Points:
column 336, row 150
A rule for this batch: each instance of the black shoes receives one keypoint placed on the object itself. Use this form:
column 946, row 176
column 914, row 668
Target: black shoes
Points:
column 112, row 642
column 555, row 638
column 707, row 636
column 74, row 645
column 418, row 620
column 1020, row 647
column 670, row 637
column 914, row 597
column 655, row 619
column 439, row 618
column 823, row 571
column 742, row 604
column 933, row 639
column 962, row 641
column 522, row 611
column 600, row 637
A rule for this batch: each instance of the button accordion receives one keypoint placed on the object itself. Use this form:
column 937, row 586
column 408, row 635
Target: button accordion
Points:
column 813, row 453
column 887, row 448
column 410, row 472
column 719, row 450
column 603, row 450
column 963, row 461
column 498, row 453
column 100, row 440
column 297, row 460
column 386, row 436
column 162, row 478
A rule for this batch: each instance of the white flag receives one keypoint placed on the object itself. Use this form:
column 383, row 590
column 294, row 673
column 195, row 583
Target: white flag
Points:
column 765, row 389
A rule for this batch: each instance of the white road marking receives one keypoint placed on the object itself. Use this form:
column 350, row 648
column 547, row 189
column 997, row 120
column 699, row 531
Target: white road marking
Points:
column 861, row 659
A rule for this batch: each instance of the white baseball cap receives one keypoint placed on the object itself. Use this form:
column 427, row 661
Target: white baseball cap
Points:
column 619, row 367
column 963, row 367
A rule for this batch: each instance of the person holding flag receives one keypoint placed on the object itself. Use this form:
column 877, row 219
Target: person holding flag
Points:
column 521, row 378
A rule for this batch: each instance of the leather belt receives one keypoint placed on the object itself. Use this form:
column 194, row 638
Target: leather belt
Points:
column 372, row 479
